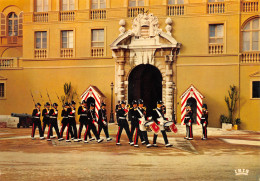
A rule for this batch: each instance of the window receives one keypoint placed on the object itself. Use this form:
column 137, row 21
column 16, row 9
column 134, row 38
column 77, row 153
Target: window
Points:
column 97, row 38
column 12, row 24
column 216, row 34
column 134, row 3
column 213, row 1
column 255, row 89
column 68, row 5
column 67, row 39
column 172, row 2
column 42, row 5
column 251, row 35
column 98, row 4
column 41, row 40
column 2, row 90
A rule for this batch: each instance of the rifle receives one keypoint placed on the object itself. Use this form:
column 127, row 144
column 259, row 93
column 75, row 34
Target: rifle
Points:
column 33, row 98
column 41, row 98
column 59, row 99
column 49, row 97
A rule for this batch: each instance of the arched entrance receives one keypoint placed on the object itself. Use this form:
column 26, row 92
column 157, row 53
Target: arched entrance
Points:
column 145, row 82
column 193, row 104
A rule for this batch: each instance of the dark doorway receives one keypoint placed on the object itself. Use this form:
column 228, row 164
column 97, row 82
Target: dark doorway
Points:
column 89, row 101
column 192, row 101
column 145, row 82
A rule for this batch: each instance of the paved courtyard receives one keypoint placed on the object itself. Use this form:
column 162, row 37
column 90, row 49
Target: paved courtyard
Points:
column 221, row 157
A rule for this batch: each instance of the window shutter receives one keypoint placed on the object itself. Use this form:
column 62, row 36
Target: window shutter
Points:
column 3, row 25
column 20, row 25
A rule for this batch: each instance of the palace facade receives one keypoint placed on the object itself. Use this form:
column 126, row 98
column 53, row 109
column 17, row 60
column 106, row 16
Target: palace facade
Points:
column 149, row 49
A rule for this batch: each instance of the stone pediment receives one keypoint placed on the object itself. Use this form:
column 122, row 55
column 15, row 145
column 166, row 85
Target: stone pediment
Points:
column 144, row 38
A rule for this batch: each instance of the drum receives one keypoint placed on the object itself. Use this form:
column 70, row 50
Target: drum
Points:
column 141, row 124
column 147, row 126
column 167, row 126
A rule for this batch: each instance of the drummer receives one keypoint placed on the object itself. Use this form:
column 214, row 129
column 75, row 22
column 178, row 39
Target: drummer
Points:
column 159, row 119
column 142, row 113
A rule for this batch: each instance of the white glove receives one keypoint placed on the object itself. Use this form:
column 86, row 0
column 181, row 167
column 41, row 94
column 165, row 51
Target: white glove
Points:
column 204, row 124
column 95, row 123
column 189, row 124
column 56, row 112
column 84, row 109
column 105, row 123
column 73, row 111
column 39, row 113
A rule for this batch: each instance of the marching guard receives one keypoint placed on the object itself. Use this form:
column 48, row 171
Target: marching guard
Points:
column 37, row 121
column 142, row 117
column 102, row 121
column 204, row 121
column 159, row 119
column 91, row 124
column 82, row 112
column 188, row 121
column 65, row 120
column 53, row 121
column 122, row 123
column 46, row 118
column 72, row 122
column 133, row 116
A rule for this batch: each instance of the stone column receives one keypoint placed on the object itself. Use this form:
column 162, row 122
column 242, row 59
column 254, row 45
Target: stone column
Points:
column 169, row 87
column 120, row 78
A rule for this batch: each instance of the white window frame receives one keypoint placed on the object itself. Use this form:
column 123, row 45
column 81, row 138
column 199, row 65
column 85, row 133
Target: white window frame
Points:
column 98, row 38
column 136, row 3
column 215, row 37
column 41, row 43
column 176, row 2
column 98, row 4
column 43, row 7
column 68, row 38
column 251, row 35
column 13, row 19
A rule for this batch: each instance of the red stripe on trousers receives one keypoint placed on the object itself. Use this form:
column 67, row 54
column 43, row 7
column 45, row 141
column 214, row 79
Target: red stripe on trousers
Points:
column 48, row 136
column 86, row 133
column 79, row 133
column 32, row 130
column 61, row 129
column 117, row 134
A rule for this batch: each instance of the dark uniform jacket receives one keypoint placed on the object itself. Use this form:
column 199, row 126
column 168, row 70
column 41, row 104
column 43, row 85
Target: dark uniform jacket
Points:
column 91, row 116
column 64, row 115
column 133, row 116
column 71, row 112
column 204, row 117
column 155, row 114
column 121, row 113
column 45, row 114
column 36, row 113
column 52, row 114
column 82, row 113
column 188, row 116
column 143, row 111
column 102, row 115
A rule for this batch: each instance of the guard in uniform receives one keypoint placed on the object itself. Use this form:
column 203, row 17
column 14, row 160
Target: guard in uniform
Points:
column 204, row 121
column 46, row 118
column 65, row 120
column 188, row 121
column 72, row 122
column 82, row 112
column 117, row 106
column 102, row 121
column 37, row 121
column 142, row 113
column 53, row 121
column 91, row 124
column 122, row 123
column 158, row 117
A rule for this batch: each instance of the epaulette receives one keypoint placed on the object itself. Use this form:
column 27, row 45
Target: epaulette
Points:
column 131, row 107
column 154, row 109
column 144, row 108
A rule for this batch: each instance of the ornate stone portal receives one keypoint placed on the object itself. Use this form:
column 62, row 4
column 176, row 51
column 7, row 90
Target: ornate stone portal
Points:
column 146, row 44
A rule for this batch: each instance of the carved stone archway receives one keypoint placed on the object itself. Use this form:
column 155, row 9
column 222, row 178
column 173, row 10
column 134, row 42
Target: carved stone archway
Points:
column 145, row 43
